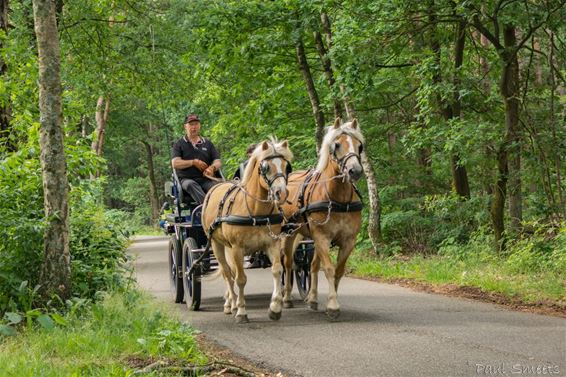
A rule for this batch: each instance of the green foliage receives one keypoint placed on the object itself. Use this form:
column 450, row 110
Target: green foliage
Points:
column 97, row 240
column 98, row 259
column 532, row 270
column 21, row 230
column 422, row 225
column 234, row 63
column 99, row 340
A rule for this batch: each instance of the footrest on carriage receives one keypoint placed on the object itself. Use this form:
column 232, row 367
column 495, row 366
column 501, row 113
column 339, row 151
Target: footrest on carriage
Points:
column 208, row 263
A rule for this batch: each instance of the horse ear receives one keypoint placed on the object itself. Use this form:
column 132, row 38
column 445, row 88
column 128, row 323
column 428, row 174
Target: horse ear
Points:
column 284, row 144
column 337, row 123
column 354, row 124
column 264, row 146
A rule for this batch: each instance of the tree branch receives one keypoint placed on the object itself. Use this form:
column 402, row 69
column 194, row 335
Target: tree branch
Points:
column 485, row 31
column 391, row 104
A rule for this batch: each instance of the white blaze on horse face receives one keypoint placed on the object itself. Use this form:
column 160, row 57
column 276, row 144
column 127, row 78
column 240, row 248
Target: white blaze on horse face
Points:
column 279, row 187
column 278, row 164
column 351, row 145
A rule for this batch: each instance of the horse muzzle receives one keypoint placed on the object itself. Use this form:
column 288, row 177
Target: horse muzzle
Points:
column 355, row 173
column 279, row 194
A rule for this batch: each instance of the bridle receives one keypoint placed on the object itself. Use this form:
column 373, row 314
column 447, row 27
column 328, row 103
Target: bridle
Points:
column 264, row 168
column 344, row 159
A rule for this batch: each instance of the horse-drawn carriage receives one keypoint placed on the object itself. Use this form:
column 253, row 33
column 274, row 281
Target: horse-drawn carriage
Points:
column 273, row 211
column 187, row 245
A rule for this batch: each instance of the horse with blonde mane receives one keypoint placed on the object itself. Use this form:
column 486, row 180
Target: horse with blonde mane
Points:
column 326, row 206
column 245, row 216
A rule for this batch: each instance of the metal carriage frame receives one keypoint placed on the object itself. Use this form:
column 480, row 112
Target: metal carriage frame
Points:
column 187, row 245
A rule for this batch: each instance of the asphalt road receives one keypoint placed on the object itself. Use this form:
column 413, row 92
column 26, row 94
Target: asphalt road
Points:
column 384, row 330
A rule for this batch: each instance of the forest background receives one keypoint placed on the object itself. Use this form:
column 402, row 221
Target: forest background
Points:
column 462, row 104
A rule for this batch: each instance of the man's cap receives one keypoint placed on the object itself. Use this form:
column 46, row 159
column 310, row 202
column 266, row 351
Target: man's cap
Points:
column 192, row 118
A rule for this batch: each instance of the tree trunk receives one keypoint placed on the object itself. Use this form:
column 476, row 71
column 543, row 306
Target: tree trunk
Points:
column 101, row 119
column 153, row 196
column 374, row 221
column 55, row 275
column 486, row 84
column 498, row 201
column 459, row 174
column 311, row 90
column 5, row 110
column 510, row 93
column 557, row 159
column 328, row 72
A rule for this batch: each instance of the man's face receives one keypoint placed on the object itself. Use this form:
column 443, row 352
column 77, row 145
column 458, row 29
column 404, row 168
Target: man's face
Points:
column 193, row 128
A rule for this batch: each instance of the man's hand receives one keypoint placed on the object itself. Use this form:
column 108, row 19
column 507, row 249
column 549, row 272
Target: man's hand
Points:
column 209, row 172
column 200, row 165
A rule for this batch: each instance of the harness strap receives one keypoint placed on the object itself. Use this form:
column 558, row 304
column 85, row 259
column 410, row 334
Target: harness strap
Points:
column 323, row 206
column 273, row 219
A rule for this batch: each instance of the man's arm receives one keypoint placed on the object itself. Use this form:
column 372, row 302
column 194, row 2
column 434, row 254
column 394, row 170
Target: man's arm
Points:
column 179, row 163
column 217, row 164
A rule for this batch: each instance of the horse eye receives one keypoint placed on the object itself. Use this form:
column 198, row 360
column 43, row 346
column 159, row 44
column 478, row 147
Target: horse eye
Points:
column 337, row 146
column 361, row 149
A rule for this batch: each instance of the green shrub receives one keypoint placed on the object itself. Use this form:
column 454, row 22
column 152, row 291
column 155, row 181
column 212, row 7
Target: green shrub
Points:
column 97, row 239
column 21, row 228
column 543, row 251
column 423, row 225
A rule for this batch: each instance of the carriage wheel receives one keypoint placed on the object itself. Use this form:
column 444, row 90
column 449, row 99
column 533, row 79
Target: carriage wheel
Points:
column 191, row 283
column 302, row 275
column 175, row 278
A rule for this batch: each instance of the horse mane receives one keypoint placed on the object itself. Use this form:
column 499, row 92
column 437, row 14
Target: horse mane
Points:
column 331, row 134
column 275, row 148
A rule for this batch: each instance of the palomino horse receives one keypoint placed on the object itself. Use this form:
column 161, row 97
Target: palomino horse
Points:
column 244, row 217
column 326, row 205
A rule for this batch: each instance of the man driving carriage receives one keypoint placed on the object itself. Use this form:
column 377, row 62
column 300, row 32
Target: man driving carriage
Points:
column 196, row 160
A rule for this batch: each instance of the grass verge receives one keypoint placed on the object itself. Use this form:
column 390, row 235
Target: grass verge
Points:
column 528, row 275
column 109, row 338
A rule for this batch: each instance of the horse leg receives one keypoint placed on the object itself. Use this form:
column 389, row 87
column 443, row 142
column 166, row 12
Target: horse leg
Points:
column 346, row 248
column 232, row 263
column 230, row 295
column 312, row 297
column 275, row 307
column 288, row 249
column 322, row 247
column 241, row 279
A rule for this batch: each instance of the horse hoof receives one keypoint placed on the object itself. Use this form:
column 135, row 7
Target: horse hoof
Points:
column 333, row 314
column 227, row 310
column 274, row 316
column 243, row 318
column 313, row 306
column 288, row 304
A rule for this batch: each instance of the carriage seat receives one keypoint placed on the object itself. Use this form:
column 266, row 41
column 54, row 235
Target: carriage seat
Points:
column 186, row 200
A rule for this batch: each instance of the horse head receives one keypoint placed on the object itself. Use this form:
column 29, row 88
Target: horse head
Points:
column 343, row 145
column 272, row 159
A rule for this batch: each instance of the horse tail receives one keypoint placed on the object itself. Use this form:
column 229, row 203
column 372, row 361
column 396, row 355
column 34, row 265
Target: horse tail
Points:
column 213, row 276
column 218, row 273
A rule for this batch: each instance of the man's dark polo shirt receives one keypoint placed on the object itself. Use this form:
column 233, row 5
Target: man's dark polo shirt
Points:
column 204, row 150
